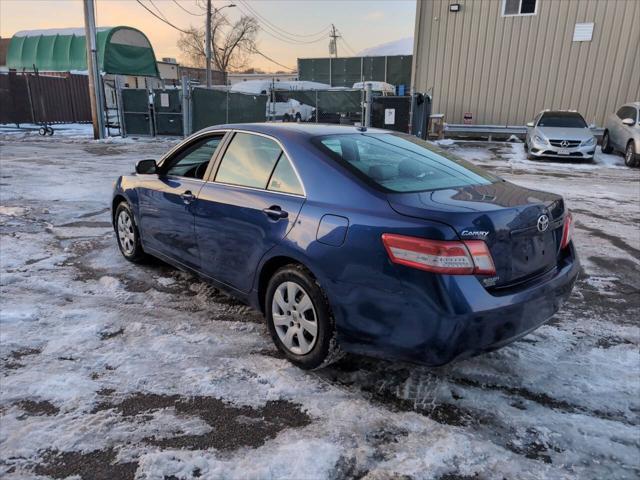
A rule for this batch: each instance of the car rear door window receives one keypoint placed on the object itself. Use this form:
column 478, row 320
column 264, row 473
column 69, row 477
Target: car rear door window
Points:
column 192, row 162
column 627, row 112
column 402, row 163
column 248, row 161
column 284, row 178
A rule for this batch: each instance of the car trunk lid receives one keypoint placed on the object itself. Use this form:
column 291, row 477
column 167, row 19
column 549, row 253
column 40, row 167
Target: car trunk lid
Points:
column 509, row 218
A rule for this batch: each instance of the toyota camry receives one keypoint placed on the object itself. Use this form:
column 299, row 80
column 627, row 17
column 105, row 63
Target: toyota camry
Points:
column 353, row 240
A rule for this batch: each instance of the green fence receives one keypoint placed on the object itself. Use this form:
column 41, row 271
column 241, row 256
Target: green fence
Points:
column 326, row 101
column 344, row 72
column 215, row 107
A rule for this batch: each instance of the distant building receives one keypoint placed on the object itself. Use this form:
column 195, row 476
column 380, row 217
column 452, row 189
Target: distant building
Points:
column 233, row 78
column 199, row 75
column 501, row 61
column 169, row 71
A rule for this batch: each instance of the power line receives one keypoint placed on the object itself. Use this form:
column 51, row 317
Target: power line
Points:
column 277, row 35
column 346, row 43
column 255, row 50
column 189, row 12
column 160, row 18
column 283, row 32
column 158, row 10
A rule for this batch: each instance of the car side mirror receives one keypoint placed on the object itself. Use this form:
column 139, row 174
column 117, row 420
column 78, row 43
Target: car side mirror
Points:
column 530, row 124
column 146, row 166
column 628, row 122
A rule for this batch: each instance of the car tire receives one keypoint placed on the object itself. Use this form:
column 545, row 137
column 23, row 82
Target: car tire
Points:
column 298, row 117
column 293, row 321
column 127, row 234
column 606, row 143
column 286, row 118
column 630, row 155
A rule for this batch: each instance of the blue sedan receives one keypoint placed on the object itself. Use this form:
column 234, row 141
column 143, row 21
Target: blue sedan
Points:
column 353, row 240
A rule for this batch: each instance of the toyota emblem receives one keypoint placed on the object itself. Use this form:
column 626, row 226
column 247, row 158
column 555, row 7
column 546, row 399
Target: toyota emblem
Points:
column 564, row 144
column 543, row 223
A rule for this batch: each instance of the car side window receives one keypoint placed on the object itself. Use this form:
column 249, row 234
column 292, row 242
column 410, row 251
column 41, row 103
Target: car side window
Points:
column 192, row 162
column 626, row 112
column 284, row 178
column 248, row 161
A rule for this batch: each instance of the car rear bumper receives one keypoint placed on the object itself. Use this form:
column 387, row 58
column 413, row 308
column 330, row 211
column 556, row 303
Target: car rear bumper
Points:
column 409, row 328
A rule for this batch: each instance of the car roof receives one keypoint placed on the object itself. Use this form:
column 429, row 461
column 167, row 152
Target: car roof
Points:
column 302, row 129
column 575, row 112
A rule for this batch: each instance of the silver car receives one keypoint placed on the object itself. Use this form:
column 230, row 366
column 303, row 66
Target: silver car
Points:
column 622, row 133
column 560, row 134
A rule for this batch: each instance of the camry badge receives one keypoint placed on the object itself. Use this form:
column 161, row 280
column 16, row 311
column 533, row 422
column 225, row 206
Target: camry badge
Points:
column 543, row 223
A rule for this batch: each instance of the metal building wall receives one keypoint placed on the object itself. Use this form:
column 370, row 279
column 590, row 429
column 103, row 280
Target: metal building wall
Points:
column 506, row 69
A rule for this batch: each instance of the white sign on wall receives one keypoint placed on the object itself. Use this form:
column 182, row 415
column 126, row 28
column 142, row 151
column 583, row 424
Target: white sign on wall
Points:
column 389, row 116
column 164, row 99
column 583, row 32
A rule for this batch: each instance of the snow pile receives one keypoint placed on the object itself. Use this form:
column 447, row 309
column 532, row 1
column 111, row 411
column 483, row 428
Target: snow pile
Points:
column 98, row 354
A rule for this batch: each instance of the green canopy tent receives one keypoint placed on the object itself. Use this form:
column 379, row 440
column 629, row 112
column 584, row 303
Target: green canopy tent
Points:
column 121, row 50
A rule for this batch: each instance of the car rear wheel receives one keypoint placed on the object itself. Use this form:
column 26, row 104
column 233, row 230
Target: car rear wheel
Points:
column 127, row 234
column 299, row 318
column 606, row 143
column 630, row 156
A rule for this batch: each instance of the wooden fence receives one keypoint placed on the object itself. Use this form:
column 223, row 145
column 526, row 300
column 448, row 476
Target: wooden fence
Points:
column 38, row 98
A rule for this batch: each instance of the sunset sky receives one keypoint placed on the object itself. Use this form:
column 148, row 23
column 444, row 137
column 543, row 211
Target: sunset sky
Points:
column 363, row 23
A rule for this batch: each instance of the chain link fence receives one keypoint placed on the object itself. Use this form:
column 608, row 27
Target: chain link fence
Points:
column 184, row 111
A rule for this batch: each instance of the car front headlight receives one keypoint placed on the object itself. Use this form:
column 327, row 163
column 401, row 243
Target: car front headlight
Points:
column 539, row 139
column 589, row 142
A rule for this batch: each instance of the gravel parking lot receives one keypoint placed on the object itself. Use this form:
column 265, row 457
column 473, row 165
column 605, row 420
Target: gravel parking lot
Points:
column 110, row 370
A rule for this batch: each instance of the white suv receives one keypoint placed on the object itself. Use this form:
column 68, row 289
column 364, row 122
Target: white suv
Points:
column 622, row 133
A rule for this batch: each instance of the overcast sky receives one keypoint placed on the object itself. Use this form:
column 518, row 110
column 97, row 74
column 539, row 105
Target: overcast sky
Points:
column 363, row 23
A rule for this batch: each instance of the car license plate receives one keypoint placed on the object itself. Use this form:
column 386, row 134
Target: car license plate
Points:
column 564, row 151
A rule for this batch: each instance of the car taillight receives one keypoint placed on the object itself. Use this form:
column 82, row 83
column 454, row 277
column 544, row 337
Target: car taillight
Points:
column 450, row 257
column 567, row 230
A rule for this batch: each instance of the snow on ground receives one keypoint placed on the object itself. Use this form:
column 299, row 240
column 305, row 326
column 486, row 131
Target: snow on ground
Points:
column 112, row 370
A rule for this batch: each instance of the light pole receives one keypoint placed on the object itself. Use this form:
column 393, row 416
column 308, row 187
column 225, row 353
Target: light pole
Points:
column 208, row 37
column 93, row 69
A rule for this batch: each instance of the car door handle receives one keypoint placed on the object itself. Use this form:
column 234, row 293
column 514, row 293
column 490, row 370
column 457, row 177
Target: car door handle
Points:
column 275, row 212
column 188, row 197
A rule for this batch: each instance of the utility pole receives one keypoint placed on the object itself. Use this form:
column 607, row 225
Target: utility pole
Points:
column 333, row 43
column 208, row 37
column 208, row 45
column 95, row 88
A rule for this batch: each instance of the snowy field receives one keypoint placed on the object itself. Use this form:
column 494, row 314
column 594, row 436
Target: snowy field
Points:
column 115, row 371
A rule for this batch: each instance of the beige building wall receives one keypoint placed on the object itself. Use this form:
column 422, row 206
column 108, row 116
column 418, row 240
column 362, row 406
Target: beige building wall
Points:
column 505, row 69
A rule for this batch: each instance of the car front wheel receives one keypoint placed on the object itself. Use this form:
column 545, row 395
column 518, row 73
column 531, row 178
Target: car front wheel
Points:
column 127, row 234
column 630, row 156
column 606, row 143
column 299, row 318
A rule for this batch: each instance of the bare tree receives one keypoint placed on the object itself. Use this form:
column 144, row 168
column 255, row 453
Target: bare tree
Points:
column 231, row 43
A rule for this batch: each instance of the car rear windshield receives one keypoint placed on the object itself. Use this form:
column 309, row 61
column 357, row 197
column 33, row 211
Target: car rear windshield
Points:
column 402, row 163
column 562, row 119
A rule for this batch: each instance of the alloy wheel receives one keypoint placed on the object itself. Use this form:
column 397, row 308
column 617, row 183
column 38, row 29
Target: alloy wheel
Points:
column 294, row 318
column 126, row 234
column 628, row 156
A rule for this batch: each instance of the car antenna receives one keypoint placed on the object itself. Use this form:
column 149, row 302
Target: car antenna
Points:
column 361, row 128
